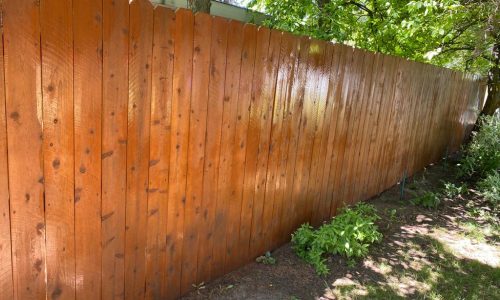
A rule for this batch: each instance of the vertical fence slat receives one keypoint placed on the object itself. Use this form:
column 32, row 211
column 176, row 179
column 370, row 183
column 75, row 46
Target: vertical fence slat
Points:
column 24, row 119
column 181, row 98
column 297, row 107
column 6, row 284
column 217, row 208
column 239, row 147
column 87, row 22
column 262, row 211
column 159, row 157
column 58, row 145
column 139, row 112
column 253, row 138
column 229, row 121
column 196, row 148
column 280, row 140
column 114, row 146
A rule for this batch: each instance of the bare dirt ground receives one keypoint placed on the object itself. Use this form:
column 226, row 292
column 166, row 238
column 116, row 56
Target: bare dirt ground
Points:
column 452, row 252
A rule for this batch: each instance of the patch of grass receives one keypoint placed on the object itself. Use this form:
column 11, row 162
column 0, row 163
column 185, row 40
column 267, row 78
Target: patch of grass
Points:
column 446, row 277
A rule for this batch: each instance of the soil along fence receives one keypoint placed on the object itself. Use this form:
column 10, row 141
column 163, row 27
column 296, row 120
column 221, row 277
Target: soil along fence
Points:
column 143, row 150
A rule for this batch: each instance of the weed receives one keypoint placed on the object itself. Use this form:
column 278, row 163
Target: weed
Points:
column 451, row 190
column 349, row 234
column 428, row 200
column 266, row 259
column 489, row 188
column 482, row 155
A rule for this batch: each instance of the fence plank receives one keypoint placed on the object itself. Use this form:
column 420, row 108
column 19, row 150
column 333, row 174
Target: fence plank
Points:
column 217, row 208
column 253, row 139
column 278, row 150
column 58, row 145
column 239, row 148
column 87, row 20
column 178, row 147
column 23, row 106
column 159, row 150
column 229, row 121
column 139, row 105
column 6, row 284
column 297, row 95
column 196, row 148
column 262, row 211
column 114, row 146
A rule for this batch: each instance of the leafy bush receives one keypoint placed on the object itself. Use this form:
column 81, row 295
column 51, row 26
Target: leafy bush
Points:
column 482, row 155
column 452, row 190
column 428, row 200
column 489, row 188
column 349, row 234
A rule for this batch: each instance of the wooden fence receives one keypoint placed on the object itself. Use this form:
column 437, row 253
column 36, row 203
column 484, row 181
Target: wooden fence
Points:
column 143, row 150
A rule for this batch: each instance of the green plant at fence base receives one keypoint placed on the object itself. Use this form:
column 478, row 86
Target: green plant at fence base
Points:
column 451, row 190
column 482, row 154
column 489, row 188
column 349, row 234
column 428, row 200
column 266, row 259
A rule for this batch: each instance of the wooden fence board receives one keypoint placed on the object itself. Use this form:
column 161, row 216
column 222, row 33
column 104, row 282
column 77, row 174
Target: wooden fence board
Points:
column 114, row 146
column 58, row 145
column 196, row 148
column 6, row 284
column 218, row 206
column 228, row 139
column 162, row 149
column 23, row 108
column 159, row 150
column 239, row 149
column 262, row 211
column 181, row 98
column 139, row 106
column 87, row 22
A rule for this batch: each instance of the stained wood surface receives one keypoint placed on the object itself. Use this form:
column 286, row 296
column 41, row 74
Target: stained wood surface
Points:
column 145, row 150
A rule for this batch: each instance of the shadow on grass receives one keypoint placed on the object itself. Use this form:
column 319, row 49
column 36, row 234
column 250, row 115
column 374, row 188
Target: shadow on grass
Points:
column 427, row 270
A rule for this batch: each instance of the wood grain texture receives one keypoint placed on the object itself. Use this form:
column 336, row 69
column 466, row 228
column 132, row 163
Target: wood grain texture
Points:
column 6, row 283
column 23, row 108
column 87, row 84
column 229, row 134
column 181, row 99
column 114, row 146
column 139, row 112
column 58, row 145
column 159, row 151
column 196, row 150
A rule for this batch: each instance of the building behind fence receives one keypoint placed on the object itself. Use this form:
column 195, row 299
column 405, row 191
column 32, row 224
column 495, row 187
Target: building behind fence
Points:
column 143, row 150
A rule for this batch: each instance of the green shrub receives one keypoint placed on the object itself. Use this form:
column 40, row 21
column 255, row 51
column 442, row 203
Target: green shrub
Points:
column 452, row 190
column 482, row 155
column 489, row 188
column 428, row 200
column 349, row 234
